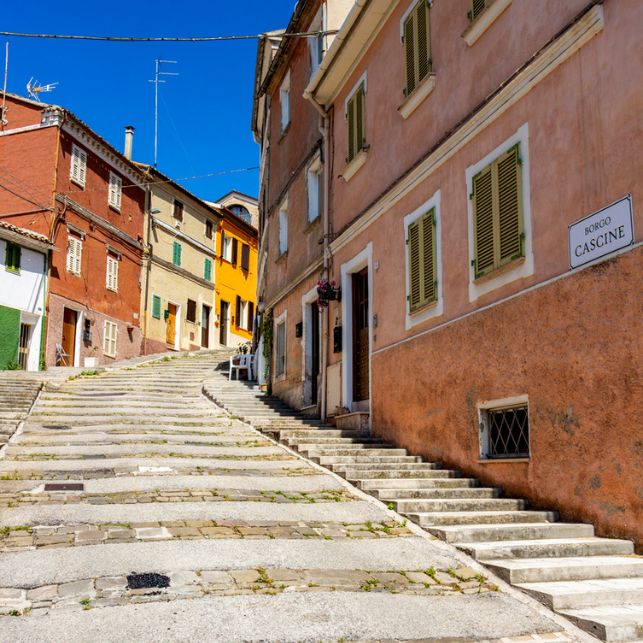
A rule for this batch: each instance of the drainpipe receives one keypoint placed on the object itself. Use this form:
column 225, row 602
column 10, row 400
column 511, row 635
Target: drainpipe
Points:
column 325, row 132
column 149, row 249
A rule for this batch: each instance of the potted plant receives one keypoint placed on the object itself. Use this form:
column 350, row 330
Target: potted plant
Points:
column 327, row 291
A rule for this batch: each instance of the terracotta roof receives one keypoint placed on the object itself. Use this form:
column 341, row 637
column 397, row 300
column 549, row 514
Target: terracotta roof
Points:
column 4, row 225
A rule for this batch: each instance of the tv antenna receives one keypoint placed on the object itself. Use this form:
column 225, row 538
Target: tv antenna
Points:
column 156, row 81
column 34, row 88
column 3, row 110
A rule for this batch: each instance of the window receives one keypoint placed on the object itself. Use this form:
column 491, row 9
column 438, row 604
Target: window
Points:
column 316, row 44
column 313, row 180
column 241, row 211
column 208, row 229
column 78, row 167
column 190, row 314
column 226, row 247
column 497, row 213
column 207, row 269
column 245, row 257
column 280, row 349
column 176, row 253
column 477, row 7
column 178, row 211
column 109, row 342
column 283, row 229
column 284, row 102
column 112, row 273
column 74, row 255
column 417, row 45
column 355, row 115
column 156, row 307
column 12, row 257
column 505, row 431
column 115, row 191
column 241, row 313
column 422, row 261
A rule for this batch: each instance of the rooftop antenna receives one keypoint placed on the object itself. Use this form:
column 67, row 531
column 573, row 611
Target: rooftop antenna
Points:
column 3, row 111
column 156, row 82
column 34, row 88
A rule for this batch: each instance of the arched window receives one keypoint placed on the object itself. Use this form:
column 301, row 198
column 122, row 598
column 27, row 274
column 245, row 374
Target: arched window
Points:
column 241, row 212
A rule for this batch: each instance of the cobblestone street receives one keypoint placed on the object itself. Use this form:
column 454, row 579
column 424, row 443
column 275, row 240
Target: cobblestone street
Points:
column 133, row 508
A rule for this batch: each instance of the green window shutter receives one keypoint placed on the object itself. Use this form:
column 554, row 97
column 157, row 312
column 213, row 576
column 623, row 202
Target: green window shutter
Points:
column 483, row 209
column 12, row 257
column 409, row 52
column 156, row 307
column 423, row 32
column 351, row 129
column 415, row 266
column 359, row 119
column 477, row 7
column 176, row 254
column 429, row 258
column 510, row 231
column 207, row 270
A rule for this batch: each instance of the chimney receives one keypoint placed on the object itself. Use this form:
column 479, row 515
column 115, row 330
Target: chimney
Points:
column 129, row 140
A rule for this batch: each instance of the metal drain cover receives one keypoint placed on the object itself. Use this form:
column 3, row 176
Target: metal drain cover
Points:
column 144, row 581
column 65, row 486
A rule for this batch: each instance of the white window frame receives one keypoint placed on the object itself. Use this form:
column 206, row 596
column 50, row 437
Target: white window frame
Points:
column 314, row 189
column 284, row 101
column 317, row 46
column 78, row 166
column 111, row 273
column 437, row 308
column 74, row 255
column 226, row 247
column 520, row 268
column 282, row 319
column 110, row 338
column 115, row 192
column 242, row 322
column 283, row 228
column 493, row 405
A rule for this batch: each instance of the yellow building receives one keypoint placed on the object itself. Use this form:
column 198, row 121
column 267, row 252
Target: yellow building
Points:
column 179, row 269
column 236, row 283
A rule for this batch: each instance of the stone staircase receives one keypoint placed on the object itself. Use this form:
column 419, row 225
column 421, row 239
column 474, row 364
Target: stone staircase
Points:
column 17, row 394
column 597, row 583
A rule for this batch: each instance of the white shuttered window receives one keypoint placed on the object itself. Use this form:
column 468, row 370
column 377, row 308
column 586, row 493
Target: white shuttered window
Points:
column 74, row 255
column 109, row 343
column 115, row 191
column 112, row 273
column 78, row 167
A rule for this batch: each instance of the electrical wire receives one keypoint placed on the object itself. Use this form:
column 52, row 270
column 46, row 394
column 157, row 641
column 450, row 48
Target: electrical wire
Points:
column 24, row 198
column 311, row 34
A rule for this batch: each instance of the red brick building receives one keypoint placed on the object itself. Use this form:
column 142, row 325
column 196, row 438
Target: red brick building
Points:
column 59, row 178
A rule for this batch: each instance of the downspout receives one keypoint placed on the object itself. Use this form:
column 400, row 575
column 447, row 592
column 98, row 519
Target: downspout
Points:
column 325, row 132
column 148, row 267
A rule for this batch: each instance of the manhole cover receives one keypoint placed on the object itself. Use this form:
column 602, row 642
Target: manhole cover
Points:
column 65, row 486
column 141, row 581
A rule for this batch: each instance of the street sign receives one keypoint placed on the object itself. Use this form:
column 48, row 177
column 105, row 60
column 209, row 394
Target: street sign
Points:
column 601, row 233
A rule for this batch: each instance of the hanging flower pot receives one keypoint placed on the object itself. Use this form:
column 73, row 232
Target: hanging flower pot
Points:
column 327, row 291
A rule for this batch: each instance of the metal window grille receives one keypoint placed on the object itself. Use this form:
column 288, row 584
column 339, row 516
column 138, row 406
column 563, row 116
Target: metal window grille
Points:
column 508, row 432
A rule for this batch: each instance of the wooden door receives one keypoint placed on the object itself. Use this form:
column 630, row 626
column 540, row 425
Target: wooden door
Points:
column 314, row 351
column 205, row 326
column 170, row 331
column 70, row 318
column 361, row 347
column 223, row 323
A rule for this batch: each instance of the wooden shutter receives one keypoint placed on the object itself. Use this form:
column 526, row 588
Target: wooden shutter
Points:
column 359, row 120
column 423, row 32
column 235, row 250
column 351, row 129
column 509, row 206
column 178, row 211
column 176, row 254
column 74, row 255
column 78, row 168
column 13, row 254
column 156, row 307
column 422, row 250
column 477, row 7
column 497, row 213
column 251, row 315
column 112, row 273
column 409, row 52
column 115, row 191
column 207, row 270
column 237, row 316
column 208, row 229
column 245, row 256
column 191, row 311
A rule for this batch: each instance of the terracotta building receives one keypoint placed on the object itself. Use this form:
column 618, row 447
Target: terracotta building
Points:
column 61, row 180
column 480, row 217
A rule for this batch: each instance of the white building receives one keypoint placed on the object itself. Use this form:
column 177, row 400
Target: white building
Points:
column 23, row 289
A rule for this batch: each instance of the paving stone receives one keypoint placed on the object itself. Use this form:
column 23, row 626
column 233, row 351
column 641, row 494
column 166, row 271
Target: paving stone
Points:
column 11, row 594
column 152, row 533
column 81, row 588
column 216, row 578
column 245, row 575
column 111, row 583
column 183, row 578
column 46, row 593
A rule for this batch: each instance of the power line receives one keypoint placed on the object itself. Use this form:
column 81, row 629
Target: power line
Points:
column 308, row 34
column 24, row 198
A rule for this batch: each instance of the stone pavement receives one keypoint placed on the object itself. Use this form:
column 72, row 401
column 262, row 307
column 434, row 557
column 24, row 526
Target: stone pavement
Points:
column 133, row 508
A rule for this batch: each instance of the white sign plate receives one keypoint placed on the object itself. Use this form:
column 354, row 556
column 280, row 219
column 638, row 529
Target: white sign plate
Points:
column 601, row 233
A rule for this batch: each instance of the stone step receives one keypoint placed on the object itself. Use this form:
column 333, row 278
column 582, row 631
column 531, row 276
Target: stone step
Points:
column 431, row 519
column 366, row 459
column 548, row 548
column 512, row 531
column 472, row 504
column 610, row 622
column 372, row 451
column 376, row 473
column 384, row 484
column 429, row 494
column 586, row 593
column 317, row 441
column 536, row 570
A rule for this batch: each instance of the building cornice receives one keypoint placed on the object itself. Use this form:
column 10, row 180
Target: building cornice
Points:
column 543, row 63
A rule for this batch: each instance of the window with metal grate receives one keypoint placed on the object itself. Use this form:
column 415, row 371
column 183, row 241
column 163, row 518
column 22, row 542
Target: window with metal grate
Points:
column 506, row 432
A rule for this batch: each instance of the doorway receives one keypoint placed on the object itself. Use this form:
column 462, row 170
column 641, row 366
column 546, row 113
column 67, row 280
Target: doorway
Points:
column 223, row 323
column 23, row 346
column 70, row 321
column 360, row 331
column 170, row 329
column 311, row 347
column 205, row 326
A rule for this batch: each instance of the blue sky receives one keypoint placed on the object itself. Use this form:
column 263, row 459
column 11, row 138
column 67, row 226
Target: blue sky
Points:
column 204, row 112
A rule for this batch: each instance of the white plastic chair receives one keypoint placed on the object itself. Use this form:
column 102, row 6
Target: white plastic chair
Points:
column 242, row 362
column 61, row 356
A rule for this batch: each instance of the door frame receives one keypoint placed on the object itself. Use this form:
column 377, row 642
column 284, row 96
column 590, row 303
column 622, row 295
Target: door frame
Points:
column 177, row 325
column 306, row 356
column 208, row 328
column 224, row 322
column 360, row 261
column 80, row 316
column 35, row 321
